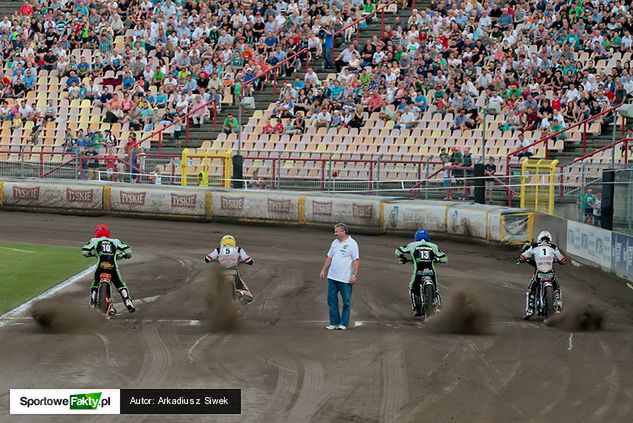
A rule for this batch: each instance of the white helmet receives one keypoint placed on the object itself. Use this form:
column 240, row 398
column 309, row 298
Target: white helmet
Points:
column 544, row 234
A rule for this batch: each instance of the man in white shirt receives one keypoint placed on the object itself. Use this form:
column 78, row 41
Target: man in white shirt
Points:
column 341, row 265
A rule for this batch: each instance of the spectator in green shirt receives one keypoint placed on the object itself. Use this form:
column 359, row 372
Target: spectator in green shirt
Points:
column 231, row 125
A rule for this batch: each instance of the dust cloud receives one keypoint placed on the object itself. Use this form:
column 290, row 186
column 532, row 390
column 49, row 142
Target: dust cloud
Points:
column 463, row 312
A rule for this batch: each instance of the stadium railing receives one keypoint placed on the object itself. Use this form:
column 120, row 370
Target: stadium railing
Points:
column 271, row 71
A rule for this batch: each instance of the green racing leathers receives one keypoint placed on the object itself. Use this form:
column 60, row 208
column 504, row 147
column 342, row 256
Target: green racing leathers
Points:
column 423, row 255
column 107, row 251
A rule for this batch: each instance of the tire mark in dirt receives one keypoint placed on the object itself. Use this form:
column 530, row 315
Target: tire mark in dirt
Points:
column 562, row 388
column 394, row 380
column 612, row 382
column 312, row 382
column 111, row 362
column 287, row 380
column 156, row 360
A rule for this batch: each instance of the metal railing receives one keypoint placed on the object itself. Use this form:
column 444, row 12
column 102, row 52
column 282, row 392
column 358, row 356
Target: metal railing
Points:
column 186, row 118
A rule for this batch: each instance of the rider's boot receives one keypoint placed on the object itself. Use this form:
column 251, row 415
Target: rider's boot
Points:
column 529, row 309
column 416, row 303
column 93, row 298
column 244, row 295
column 558, row 302
column 127, row 301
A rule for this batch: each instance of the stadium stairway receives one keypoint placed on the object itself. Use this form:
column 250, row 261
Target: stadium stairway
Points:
column 264, row 98
column 594, row 142
column 8, row 7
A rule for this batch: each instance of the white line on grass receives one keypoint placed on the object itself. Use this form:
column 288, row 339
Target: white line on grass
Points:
column 24, row 307
column 17, row 249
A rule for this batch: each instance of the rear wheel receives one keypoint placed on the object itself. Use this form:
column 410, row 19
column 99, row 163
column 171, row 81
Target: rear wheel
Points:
column 104, row 298
column 548, row 298
column 428, row 297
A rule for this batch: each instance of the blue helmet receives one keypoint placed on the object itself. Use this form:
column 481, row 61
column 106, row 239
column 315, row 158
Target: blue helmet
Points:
column 422, row 234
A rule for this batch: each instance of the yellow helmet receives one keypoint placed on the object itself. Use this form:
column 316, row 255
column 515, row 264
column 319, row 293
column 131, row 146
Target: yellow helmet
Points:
column 228, row 240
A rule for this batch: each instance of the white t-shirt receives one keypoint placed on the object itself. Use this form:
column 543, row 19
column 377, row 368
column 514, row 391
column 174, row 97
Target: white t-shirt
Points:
column 343, row 255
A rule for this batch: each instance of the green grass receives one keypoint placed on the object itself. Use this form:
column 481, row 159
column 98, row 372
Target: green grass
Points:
column 27, row 270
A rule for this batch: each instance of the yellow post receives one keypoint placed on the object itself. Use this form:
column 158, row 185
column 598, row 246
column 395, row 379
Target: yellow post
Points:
column 227, row 169
column 183, row 166
column 552, row 184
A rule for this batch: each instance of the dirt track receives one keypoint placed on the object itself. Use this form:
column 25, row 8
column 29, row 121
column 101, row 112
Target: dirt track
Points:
column 387, row 368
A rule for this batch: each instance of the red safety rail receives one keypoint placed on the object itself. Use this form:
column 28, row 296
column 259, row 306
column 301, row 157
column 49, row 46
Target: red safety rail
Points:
column 273, row 69
column 547, row 138
column 578, row 160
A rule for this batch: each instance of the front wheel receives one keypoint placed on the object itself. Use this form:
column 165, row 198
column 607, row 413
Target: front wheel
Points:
column 428, row 298
column 548, row 299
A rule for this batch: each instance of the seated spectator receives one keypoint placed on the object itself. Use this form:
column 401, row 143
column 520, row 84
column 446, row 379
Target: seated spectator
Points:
column 323, row 118
column 231, row 125
column 524, row 143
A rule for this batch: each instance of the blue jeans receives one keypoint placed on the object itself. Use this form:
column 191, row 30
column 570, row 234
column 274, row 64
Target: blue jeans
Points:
column 333, row 288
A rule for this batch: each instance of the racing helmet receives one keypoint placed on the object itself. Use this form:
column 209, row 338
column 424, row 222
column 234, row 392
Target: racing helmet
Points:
column 228, row 240
column 544, row 236
column 102, row 231
column 422, row 234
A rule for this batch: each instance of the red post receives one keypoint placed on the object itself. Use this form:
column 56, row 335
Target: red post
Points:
column 584, row 137
column 274, row 170
column 357, row 31
column 419, row 184
column 371, row 175
column 626, row 152
column 546, row 148
column 215, row 113
column 41, row 164
column 382, row 24
column 322, row 174
column 275, row 83
column 160, row 140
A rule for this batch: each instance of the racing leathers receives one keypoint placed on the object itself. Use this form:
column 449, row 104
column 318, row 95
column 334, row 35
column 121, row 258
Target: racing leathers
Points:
column 424, row 255
column 107, row 251
column 542, row 256
column 229, row 259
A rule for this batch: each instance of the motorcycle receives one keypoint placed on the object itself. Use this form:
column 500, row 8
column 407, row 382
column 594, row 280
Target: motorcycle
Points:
column 104, row 302
column 545, row 304
column 431, row 299
column 231, row 279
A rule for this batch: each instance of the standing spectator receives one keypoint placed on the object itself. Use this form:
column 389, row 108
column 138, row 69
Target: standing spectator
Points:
column 597, row 210
column 490, row 169
column 341, row 265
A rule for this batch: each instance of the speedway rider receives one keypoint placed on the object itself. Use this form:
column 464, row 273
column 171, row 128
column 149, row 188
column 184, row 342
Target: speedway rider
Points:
column 423, row 254
column 108, row 250
column 229, row 255
column 542, row 255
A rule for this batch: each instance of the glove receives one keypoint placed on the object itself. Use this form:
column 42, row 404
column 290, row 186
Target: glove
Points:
column 402, row 259
column 206, row 259
column 249, row 261
column 127, row 255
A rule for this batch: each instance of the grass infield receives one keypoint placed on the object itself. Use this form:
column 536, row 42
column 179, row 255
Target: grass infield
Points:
column 27, row 270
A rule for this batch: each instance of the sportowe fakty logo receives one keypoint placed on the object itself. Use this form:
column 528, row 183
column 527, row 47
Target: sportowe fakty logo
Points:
column 87, row 401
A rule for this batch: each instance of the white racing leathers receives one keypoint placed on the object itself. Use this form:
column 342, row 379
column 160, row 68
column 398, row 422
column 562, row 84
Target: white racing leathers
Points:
column 229, row 259
column 542, row 256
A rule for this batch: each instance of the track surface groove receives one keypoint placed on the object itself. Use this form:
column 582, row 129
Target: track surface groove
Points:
column 386, row 368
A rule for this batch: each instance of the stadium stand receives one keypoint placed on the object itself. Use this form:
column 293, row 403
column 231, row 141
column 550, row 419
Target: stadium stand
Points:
column 399, row 92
